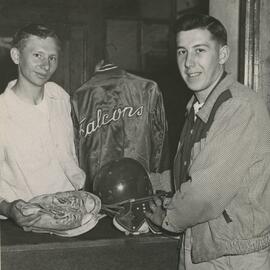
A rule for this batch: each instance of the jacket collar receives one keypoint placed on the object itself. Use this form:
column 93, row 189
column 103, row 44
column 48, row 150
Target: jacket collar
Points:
column 108, row 69
column 222, row 86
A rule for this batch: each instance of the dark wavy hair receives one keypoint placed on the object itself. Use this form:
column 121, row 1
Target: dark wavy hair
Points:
column 192, row 21
column 33, row 29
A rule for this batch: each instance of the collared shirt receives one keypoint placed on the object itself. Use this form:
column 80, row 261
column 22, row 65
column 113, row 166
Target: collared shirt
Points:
column 228, row 170
column 37, row 153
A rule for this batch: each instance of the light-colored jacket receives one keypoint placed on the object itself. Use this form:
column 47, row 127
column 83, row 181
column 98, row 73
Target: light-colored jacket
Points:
column 229, row 172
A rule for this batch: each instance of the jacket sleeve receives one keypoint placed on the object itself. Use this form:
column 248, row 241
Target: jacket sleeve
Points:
column 76, row 125
column 160, row 160
column 218, row 171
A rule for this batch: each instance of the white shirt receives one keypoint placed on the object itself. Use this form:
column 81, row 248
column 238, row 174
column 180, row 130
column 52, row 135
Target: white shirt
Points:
column 197, row 106
column 37, row 153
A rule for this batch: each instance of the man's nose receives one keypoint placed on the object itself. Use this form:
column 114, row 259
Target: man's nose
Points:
column 45, row 64
column 189, row 60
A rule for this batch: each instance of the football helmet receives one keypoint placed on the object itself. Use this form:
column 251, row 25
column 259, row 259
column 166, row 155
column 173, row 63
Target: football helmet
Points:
column 124, row 187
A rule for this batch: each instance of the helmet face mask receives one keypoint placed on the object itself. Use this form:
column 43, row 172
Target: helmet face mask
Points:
column 125, row 190
column 131, row 217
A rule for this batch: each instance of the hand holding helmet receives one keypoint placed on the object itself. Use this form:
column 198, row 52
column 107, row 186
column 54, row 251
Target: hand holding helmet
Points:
column 125, row 191
column 157, row 213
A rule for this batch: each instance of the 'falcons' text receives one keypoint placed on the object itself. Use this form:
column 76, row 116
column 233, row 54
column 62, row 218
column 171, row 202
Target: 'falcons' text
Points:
column 104, row 119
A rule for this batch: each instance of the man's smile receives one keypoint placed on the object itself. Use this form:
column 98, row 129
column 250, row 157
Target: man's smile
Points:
column 193, row 74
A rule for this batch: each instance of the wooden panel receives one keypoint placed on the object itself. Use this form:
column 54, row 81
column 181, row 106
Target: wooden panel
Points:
column 19, row 15
column 121, row 8
column 8, row 69
column 249, row 43
column 264, row 56
column 155, row 9
column 199, row 5
column 50, row 3
column 76, row 54
column 155, row 47
column 155, row 256
column 122, row 43
column 102, row 248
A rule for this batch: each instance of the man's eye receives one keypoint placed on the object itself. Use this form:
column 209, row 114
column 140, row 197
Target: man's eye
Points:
column 181, row 52
column 37, row 55
column 200, row 50
column 53, row 58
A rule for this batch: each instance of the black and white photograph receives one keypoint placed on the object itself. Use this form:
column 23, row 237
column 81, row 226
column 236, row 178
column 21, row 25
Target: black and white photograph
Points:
column 134, row 135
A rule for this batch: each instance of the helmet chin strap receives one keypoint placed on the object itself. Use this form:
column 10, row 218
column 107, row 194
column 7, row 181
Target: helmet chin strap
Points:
column 116, row 207
column 129, row 215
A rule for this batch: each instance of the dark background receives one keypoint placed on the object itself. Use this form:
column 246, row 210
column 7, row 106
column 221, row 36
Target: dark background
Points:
column 137, row 35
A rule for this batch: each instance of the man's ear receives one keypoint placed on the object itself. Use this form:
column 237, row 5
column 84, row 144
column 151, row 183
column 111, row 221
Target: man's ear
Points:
column 15, row 55
column 224, row 53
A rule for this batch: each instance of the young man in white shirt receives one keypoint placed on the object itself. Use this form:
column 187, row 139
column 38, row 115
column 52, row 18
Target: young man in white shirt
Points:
column 37, row 153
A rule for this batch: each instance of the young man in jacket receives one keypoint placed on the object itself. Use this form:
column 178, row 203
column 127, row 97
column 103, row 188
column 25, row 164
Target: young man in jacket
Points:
column 37, row 153
column 221, row 169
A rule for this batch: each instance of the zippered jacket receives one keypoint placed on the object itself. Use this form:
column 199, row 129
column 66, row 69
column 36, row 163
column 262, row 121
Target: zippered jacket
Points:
column 222, row 174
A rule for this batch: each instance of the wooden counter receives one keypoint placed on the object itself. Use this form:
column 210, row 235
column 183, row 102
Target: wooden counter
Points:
column 104, row 247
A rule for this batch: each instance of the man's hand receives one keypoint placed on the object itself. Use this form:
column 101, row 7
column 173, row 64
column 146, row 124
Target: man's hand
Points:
column 16, row 211
column 158, row 213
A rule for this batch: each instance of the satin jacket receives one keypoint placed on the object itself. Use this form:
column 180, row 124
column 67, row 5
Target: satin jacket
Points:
column 117, row 114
